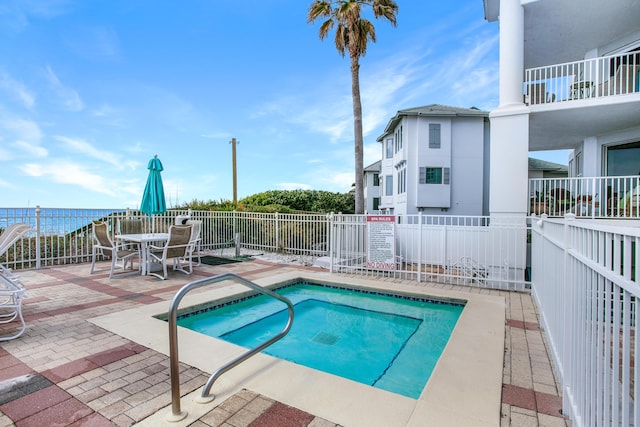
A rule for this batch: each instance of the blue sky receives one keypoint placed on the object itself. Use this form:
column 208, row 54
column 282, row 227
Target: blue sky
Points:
column 91, row 90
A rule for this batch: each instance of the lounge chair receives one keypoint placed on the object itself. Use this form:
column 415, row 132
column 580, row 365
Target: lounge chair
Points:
column 177, row 247
column 12, row 292
column 104, row 247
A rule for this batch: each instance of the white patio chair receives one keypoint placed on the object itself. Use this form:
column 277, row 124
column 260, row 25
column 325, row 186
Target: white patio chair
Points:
column 177, row 247
column 11, row 295
column 12, row 292
column 104, row 247
column 11, row 234
column 194, row 241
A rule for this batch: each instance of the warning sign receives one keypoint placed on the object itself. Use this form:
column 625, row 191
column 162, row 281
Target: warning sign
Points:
column 381, row 242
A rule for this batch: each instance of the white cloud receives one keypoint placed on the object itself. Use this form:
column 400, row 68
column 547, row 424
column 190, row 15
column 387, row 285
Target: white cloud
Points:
column 69, row 97
column 23, row 129
column 32, row 149
column 79, row 146
column 6, row 184
column 66, row 172
column 17, row 90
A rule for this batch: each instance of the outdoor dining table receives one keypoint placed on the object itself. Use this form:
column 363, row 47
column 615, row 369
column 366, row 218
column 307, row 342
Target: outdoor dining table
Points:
column 144, row 240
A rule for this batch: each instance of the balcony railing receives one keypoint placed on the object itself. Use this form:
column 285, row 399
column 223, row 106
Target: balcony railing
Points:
column 591, row 197
column 591, row 78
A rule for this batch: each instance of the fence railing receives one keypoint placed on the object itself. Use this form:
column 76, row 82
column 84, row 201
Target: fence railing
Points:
column 585, row 284
column 452, row 249
column 64, row 236
column 591, row 197
column 475, row 251
column 591, row 78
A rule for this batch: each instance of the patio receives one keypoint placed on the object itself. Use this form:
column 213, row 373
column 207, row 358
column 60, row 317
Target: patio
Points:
column 81, row 374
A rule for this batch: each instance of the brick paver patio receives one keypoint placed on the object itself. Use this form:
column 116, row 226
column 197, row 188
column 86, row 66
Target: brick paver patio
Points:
column 66, row 371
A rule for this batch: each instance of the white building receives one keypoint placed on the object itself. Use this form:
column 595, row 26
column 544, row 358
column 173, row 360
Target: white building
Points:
column 569, row 79
column 372, row 187
column 435, row 160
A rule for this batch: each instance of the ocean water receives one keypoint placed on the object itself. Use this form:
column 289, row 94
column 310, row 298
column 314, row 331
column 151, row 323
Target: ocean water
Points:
column 53, row 220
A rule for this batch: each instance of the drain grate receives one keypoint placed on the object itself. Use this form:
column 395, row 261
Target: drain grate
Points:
column 326, row 338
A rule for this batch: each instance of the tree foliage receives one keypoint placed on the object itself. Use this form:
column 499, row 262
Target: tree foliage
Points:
column 352, row 33
column 283, row 201
column 303, row 200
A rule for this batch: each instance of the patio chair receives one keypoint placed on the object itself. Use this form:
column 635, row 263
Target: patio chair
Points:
column 11, row 295
column 177, row 247
column 11, row 234
column 130, row 226
column 104, row 247
column 12, row 292
column 194, row 241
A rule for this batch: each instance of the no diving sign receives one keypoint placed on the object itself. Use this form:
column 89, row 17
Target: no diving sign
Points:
column 381, row 242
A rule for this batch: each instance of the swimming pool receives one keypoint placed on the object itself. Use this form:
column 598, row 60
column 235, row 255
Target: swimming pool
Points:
column 378, row 339
column 465, row 386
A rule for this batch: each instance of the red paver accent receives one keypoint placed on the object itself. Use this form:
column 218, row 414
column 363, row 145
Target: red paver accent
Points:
column 281, row 415
column 549, row 404
column 521, row 397
column 13, row 367
column 69, row 370
column 523, row 325
column 89, row 363
column 518, row 396
column 34, row 403
column 62, row 414
column 109, row 356
column 93, row 420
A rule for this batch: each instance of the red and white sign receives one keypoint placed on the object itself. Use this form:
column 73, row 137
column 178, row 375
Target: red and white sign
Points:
column 381, row 242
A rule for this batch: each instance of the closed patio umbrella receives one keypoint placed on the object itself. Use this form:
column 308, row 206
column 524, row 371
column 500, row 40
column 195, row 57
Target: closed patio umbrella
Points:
column 153, row 202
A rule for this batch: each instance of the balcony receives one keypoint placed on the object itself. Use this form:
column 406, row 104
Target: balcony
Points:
column 613, row 197
column 588, row 79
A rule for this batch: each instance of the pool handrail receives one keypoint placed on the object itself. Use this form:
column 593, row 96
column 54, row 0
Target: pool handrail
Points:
column 176, row 413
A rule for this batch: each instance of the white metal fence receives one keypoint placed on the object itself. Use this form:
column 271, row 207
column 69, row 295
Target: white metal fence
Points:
column 458, row 250
column 64, row 236
column 585, row 283
column 465, row 250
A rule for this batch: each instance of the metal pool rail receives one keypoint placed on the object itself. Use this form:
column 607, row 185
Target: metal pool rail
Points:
column 176, row 414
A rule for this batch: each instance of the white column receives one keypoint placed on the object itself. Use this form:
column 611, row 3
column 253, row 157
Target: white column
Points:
column 511, row 52
column 510, row 121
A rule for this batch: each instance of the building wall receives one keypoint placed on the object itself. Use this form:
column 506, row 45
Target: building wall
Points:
column 462, row 151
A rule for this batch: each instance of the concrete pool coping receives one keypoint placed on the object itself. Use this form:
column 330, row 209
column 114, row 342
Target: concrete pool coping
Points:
column 464, row 389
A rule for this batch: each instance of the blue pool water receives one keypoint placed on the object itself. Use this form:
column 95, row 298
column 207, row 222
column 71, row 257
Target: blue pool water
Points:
column 385, row 341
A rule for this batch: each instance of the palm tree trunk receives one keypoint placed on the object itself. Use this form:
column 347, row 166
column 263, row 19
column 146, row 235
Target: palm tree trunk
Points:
column 357, row 134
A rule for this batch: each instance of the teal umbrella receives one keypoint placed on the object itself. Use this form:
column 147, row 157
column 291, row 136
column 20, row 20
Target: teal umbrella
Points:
column 153, row 197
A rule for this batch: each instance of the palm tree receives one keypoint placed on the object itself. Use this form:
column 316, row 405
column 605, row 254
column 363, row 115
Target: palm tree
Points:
column 352, row 34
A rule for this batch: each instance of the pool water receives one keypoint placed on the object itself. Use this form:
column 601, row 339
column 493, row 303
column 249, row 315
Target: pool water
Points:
column 385, row 341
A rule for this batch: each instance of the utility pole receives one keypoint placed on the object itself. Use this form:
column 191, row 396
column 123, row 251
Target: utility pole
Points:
column 233, row 143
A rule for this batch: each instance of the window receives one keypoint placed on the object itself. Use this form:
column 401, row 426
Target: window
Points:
column 389, row 147
column 376, row 203
column 434, row 135
column 388, row 180
column 402, row 180
column 398, row 138
column 434, row 175
column 623, row 160
column 376, row 180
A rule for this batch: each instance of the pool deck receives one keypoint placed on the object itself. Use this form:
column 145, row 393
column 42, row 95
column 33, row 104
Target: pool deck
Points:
column 67, row 370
